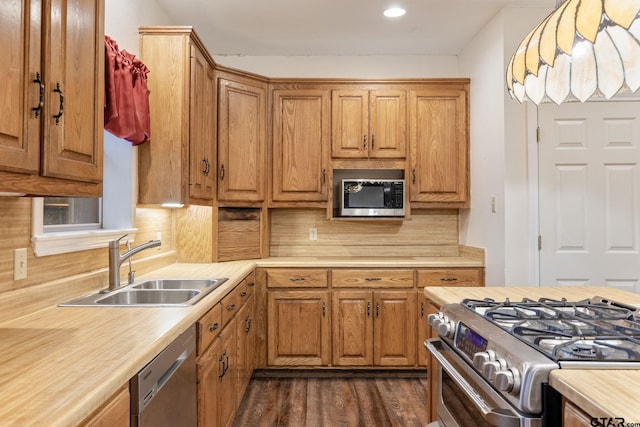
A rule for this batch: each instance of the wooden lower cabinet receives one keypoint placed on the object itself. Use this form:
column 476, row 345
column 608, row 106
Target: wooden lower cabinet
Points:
column 298, row 328
column 432, row 373
column 245, row 346
column 352, row 328
column 217, row 377
column 572, row 416
column 373, row 328
column 114, row 413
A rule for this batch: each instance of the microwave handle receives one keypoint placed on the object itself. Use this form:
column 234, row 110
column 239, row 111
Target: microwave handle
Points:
column 487, row 411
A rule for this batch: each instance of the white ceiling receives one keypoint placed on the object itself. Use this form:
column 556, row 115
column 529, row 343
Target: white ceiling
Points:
column 337, row 27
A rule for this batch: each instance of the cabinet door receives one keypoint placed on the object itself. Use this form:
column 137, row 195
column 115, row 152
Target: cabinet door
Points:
column 388, row 124
column 298, row 328
column 228, row 362
column 439, row 146
column 74, row 90
column 423, row 329
column 572, row 416
column 432, row 371
column 241, row 139
column 19, row 72
column 301, row 122
column 202, row 162
column 394, row 328
column 352, row 328
column 350, row 123
column 245, row 338
column 210, row 367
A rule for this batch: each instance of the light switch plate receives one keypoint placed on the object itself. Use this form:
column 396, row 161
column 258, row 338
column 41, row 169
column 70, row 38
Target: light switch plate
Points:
column 20, row 264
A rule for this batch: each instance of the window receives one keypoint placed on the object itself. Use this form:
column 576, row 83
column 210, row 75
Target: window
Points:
column 71, row 213
column 68, row 224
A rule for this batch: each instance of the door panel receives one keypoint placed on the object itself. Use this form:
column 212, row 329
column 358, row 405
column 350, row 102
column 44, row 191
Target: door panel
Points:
column 394, row 328
column 589, row 157
column 352, row 328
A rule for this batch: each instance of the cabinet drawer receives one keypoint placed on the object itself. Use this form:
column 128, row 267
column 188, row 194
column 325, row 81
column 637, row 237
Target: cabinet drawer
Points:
column 297, row 278
column 372, row 278
column 231, row 304
column 209, row 327
column 450, row 278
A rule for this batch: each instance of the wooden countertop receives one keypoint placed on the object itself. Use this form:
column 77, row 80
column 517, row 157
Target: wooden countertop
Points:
column 599, row 392
column 59, row 364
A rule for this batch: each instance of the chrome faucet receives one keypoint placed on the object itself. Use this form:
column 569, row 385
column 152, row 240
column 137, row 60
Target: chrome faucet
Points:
column 116, row 260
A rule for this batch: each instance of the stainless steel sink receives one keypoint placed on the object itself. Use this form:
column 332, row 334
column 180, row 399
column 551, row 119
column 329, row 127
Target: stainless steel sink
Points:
column 137, row 297
column 152, row 293
column 179, row 283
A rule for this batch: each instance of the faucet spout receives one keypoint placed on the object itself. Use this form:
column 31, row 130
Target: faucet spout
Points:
column 116, row 259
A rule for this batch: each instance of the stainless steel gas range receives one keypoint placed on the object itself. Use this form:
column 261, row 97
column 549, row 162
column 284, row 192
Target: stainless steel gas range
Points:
column 494, row 357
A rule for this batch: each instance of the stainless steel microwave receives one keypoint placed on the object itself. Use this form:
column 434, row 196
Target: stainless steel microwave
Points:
column 372, row 197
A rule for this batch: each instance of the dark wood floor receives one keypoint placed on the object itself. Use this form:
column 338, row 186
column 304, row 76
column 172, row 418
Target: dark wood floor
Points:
column 334, row 402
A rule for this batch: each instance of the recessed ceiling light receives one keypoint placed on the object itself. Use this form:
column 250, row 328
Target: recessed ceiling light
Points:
column 394, row 12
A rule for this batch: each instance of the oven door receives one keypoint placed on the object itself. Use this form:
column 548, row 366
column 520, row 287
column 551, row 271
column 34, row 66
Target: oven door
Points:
column 465, row 399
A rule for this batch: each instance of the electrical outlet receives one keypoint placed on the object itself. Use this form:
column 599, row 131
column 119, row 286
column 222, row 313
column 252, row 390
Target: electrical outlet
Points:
column 20, row 264
column 313, row 233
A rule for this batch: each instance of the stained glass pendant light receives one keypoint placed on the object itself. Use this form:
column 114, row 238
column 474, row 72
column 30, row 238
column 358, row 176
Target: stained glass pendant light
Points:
column 583, row 48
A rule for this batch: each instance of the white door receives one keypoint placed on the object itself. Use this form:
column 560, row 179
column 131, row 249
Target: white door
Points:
column 589, row 189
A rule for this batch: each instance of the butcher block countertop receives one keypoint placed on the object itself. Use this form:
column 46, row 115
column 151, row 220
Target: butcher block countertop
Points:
column 58, row 364
column 598, row 392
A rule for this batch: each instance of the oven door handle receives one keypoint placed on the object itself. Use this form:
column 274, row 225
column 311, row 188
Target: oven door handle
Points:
column 495, row 418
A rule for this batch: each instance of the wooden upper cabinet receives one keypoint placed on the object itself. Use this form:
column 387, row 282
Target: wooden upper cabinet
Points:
column 52, row 104
column 369, row 124
column 242, row 115
column 301, row 135
column 202, row 137
column 178, row 164
column 439, row 146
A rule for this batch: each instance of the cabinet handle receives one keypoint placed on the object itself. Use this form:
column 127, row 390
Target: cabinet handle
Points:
column 364, row 142
column 243, row 294
column 223, row 366
column 422, row 309
column 232, row 307
column 296, row 279
column 222, row 172
column 38, row 81
column 377, row 309
column 324, row 309
column 413, row 176
column 251, row 284
column 448, row 279
column 214, row 327
column 373, row 279
column 324, row 176
column 368, row 308
column 58, row 90
column 206, row 167
column 247, row 321
column 373, row 141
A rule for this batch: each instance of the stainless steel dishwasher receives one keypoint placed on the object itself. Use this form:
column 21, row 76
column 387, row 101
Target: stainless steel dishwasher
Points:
column 163, row 393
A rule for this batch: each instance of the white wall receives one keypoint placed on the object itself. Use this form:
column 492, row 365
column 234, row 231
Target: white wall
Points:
column 499, row 153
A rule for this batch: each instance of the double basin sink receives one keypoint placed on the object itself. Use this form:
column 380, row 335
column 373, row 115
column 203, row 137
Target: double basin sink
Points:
column 152, row 293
